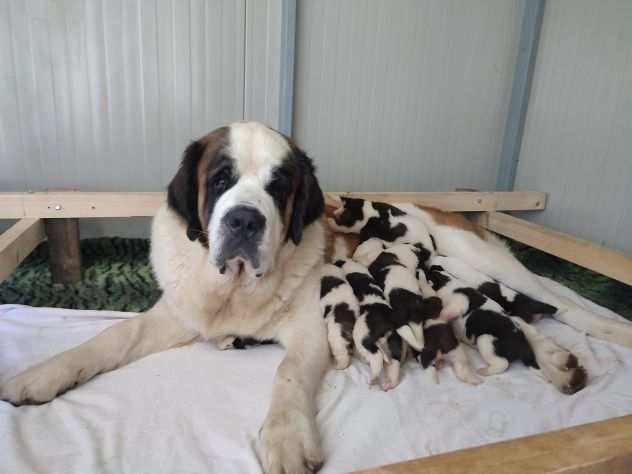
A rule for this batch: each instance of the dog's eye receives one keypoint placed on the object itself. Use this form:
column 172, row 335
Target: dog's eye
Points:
column 220, row 182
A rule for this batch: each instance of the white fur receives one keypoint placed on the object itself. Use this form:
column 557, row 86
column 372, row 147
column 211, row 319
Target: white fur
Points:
column 200, row 303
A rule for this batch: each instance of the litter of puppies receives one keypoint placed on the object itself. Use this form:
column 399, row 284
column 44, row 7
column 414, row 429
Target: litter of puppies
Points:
column 397, row 294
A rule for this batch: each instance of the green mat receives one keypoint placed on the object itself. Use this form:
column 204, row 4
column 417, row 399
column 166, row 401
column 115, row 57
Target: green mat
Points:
column 117, row 276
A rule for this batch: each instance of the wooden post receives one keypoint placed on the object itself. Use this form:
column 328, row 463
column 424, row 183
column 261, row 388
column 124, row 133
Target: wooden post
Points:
column 64, row 250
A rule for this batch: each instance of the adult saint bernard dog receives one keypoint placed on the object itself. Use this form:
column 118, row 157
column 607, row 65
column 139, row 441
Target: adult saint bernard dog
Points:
column 237, row 251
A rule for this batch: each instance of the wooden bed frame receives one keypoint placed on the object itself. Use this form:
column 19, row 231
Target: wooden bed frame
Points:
column 604, row 446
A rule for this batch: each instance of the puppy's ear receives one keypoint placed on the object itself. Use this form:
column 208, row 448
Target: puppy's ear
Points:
column 183, row 190
column 309, row 202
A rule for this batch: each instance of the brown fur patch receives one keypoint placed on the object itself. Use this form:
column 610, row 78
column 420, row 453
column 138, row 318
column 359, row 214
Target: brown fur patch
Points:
column 454, row 219
column 577, row 382
column 212, row 143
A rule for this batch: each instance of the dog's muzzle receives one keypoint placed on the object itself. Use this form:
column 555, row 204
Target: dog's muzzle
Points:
column 242, row 228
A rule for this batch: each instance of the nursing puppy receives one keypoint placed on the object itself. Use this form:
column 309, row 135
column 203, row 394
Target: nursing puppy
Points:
column 374, row 324
column 237, row 250
column 394, row 270
column 340, row 309
column 479, row 321
column 500, row 339
column 378, row 220
column 512, row 302
column 441, row 345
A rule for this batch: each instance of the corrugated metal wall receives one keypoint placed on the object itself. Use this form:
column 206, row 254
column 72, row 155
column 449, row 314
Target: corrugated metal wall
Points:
column 578, row 136
column 104, row 95
column 405, row 95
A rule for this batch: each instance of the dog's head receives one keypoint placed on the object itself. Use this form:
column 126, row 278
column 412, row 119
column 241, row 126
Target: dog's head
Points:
column 243, row 191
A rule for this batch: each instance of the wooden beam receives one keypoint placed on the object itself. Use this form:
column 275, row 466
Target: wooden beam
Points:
column 604, row 446
column 64, row 250
column 462, row 201
column 598, row 258
column 17, row 242
column 50, row 205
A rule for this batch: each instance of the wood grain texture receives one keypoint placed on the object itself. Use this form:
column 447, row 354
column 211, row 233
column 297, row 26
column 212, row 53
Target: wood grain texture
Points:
column 17, row 242
column 601, row 447
column 131, row 204
column 582, row 252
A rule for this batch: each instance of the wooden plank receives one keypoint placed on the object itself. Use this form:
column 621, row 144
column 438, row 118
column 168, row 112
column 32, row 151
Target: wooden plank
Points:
column 17, row 242
column 604, row 446
column 462, row 201
column 52, row 205
column 598, row 258
column 130, row 204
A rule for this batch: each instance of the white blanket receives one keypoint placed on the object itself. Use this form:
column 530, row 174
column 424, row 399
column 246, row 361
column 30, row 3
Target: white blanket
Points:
column 197, row 410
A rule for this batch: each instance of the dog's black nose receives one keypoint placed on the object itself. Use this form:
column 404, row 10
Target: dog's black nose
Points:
column 245, row 222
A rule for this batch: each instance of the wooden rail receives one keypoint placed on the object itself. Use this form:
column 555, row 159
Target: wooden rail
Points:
column 17, row 242
column 598, row 258
column 594, row 448
column 49, row 205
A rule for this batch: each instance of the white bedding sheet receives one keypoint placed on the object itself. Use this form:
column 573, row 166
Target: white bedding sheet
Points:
column 197, row 410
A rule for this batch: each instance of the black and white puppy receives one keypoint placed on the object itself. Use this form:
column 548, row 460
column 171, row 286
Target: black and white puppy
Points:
column 374, row 324
column 379, row 220
column 394, row 269
column 512, row 302
column 480, row 321
column 339, row 307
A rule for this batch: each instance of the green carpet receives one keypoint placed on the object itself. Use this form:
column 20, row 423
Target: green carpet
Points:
column 117, row 276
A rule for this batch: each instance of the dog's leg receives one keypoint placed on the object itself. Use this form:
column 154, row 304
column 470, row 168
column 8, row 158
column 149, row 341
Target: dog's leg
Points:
column 494, row 259
column 289, row 440
column 114, row 347
column 495, row 364
column 557, row 365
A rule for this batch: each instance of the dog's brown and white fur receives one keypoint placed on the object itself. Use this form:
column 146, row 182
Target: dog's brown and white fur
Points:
column 266, row 285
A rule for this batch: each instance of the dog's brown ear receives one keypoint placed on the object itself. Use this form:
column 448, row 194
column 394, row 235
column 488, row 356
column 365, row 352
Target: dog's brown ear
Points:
column 309, row 202
column 183, row 190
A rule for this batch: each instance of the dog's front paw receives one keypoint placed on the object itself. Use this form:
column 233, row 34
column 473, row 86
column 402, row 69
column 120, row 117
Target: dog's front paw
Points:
column 289, row 444
column 39, row 384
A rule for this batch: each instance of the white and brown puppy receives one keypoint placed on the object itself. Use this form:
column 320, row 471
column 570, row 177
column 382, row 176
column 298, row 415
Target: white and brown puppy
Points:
column 237, row 250
column 374, row 324
column 339, row 307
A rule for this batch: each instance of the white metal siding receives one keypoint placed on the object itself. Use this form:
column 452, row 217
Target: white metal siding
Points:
column 105, row 95
column 404, row 95
column 578, row 137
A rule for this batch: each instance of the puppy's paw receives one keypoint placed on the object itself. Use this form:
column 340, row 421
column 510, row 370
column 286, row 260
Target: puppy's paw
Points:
column 289, row 444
